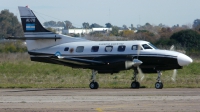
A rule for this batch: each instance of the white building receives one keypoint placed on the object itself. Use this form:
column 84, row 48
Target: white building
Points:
column 77, row 31
column 85, row 31
column 101, row 29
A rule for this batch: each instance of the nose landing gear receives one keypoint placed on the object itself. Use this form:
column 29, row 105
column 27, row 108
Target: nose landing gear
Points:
column 135, row 84
column 93, row 84
column 159, row 84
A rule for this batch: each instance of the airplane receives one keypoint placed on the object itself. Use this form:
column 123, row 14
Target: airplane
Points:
column 99, row 56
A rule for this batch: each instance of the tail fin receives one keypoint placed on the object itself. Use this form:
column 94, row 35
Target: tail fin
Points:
column 30, row 22
column 36, row 36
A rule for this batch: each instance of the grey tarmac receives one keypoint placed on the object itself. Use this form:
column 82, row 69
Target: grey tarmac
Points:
column 100, row 100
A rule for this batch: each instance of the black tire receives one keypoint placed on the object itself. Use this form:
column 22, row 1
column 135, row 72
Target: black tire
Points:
column 158, row 85
column 94, row 85
column 135, row 85
column 161, row 85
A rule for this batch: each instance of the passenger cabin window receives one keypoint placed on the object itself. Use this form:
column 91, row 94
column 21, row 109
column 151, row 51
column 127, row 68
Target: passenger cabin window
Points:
column 80, row 49
column 145, row 46
column 121, row 48
column 108, row 48
column 95, row 49
column 66, row 49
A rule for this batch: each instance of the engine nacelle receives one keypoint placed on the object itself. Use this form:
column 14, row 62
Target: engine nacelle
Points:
column 128, row 64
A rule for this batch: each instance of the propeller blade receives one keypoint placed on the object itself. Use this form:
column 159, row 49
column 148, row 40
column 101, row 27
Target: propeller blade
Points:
column 138, row 51
column 174, row 75
column 172, row 48
column 141, row 74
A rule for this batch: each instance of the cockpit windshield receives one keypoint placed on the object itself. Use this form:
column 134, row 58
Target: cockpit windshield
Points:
column 148, row 46
column 153, row 46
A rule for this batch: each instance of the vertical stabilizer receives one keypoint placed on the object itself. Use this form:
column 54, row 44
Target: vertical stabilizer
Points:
column 30, row 22
column 36, row 35
column 34, row 29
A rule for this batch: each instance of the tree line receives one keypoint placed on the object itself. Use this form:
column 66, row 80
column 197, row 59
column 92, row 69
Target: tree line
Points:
column 186, row 37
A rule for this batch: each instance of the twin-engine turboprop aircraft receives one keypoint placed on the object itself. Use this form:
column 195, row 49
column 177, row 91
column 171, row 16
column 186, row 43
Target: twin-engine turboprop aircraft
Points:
column 99, row 56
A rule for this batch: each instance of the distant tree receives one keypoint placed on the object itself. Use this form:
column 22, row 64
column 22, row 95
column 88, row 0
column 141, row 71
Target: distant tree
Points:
column 161, row 25
column 86, row 25
column 9, row 25
column 95, row 25
column 145, row 35
column 68, row 24
column 50, row 24
column 165, row 32
column 54, row 24
column 115, row 31
column 60, row 24
column 127, row 33
column 132, row 27
column 188, row 39
column 51, row 29
column 108, row 25
column 196, row 25
column 125, row 27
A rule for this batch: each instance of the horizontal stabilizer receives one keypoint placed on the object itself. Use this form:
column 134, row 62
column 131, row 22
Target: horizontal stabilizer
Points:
column 32, row 38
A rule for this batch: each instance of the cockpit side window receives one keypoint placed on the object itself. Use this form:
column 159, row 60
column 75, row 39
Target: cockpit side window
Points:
column 136, row 47
column 146, row 46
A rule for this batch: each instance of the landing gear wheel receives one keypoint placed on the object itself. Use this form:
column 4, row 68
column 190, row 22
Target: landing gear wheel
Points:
column 158, row 85
column 135, row 85
column 94, row 85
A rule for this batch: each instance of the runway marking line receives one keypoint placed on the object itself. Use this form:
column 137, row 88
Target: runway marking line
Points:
column 99, row 109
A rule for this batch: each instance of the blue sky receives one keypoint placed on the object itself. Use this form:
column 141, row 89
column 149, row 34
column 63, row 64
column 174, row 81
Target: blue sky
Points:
column 117, row 12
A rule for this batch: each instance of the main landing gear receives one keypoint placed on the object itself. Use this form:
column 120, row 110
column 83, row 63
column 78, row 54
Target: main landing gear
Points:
column 94, row 84
column 159, row 84
column 135, row 84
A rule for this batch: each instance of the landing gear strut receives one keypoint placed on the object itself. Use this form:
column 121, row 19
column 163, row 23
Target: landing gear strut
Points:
column 159, row 84
column 135, row 84
column 94, row 84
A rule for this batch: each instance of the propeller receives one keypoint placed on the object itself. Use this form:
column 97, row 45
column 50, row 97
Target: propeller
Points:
column 140, row 73
column 174, row 71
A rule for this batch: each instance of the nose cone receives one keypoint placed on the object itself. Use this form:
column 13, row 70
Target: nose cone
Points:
column 184, row 60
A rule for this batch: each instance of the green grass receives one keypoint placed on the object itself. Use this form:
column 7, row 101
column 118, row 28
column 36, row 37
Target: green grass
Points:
column 17, row 71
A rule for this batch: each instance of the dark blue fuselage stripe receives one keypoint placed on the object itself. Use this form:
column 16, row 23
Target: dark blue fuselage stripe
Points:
column 94, row 55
